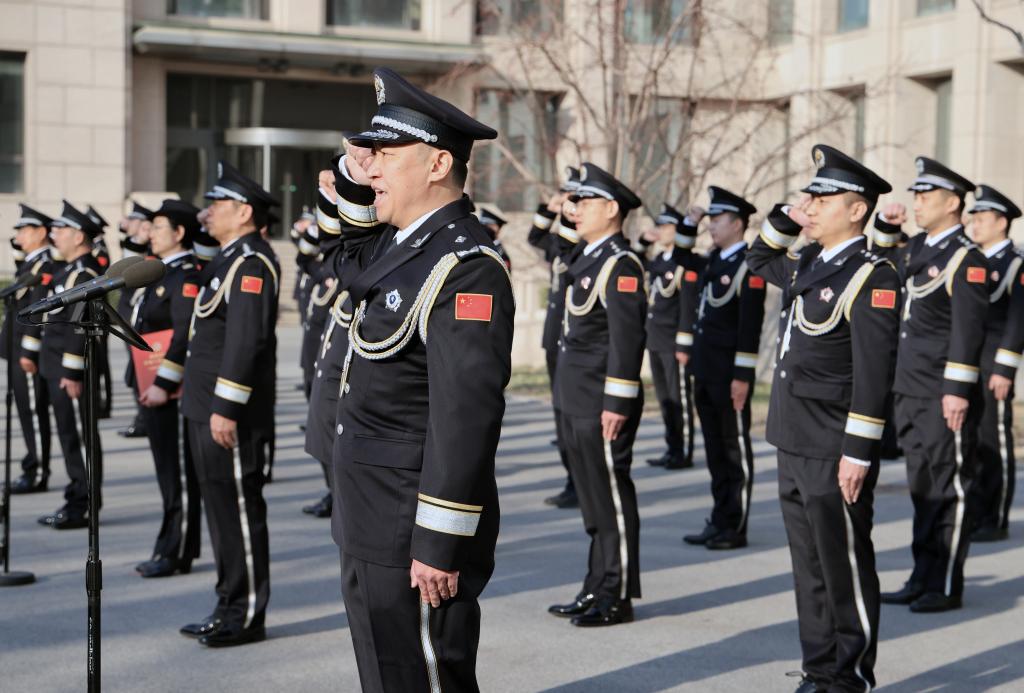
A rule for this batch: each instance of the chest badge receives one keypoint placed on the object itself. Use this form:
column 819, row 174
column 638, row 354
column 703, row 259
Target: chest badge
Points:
column 669, row 275
column 160, row 291
column 726, row 280
column 585, row 283
column 215, row 283
column 393, row 300
column 826, row 294
column 995, row 275
column 460, row 239
column 933, row 271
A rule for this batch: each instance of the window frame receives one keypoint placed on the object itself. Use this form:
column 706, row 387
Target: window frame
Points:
column 19, row 158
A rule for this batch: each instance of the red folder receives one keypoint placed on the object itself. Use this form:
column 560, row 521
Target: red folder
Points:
column 146, row 363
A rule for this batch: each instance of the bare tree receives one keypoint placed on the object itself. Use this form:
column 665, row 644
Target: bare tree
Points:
column 1017, row 35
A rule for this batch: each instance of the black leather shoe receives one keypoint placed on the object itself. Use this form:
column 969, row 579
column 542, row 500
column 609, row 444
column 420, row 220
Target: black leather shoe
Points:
column 989, row 533
column 165, row 567
column 660, row 461
column 565, row 499
column 807, row 684
column 27, row 484
column 232, row 636
column 210, row 624
column 709, row 532
column 934, row 602
column 134, row 430
column 322, row 508
column 905, row 595
column 577, row 607
column 65, row 520
column 606, row 612
column 725, row 540
column 679, row 462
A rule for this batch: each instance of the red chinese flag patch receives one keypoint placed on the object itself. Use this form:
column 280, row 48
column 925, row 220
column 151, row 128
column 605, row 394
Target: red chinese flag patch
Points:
column 627, row 285
column 691, row 276
column 976, row 275
column 103, row 261
column 190, row 290
column 756, row 283
column 252, row 285
column 473, row 307
column 47, row 278
column 883, row 298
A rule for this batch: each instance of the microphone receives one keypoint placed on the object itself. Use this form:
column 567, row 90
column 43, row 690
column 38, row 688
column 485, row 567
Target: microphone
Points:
column 25, row 281
column 136, row 275
column 117, row 269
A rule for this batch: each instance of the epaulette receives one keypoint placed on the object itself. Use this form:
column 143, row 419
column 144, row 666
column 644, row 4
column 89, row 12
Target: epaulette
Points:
column 967, row 242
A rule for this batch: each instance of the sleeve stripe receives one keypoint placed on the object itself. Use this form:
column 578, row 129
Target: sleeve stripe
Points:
column 1005, row 357
column 745, row 360
column 568, row 234
column 171, row 371
column 446, row 521
column 684, row 241
column 233, row 392
column 327, row 222
column 73, row 362
column 307, row 248
column 542, row 222
column 774, row 238
column 360, row 215
column 684, row 339
column 960, row 372
column 886, row 240
column 862, row 427
column 30, row 343
column 450, row 504
column 616, row 387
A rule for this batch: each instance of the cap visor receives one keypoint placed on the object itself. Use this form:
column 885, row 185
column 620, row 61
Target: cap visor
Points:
column 382, row 136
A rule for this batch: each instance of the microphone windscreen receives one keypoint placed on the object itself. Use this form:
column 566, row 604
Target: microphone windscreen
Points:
column 144, row 273
column 32, row 280
column 117, row 269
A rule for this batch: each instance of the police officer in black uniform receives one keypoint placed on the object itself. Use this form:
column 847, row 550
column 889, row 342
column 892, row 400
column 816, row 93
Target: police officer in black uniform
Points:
column 167, row 305
column 992, row 491
column 722, row 362
column 667, row 271
column 136, row 243
column 30, row 394
column 421, row 401
column 322, row 291
column 601, row 397
column 62, row 363
column 554, row 234
column 494, row 223
column 228, row 404
column 837, row 348
column 937, row 389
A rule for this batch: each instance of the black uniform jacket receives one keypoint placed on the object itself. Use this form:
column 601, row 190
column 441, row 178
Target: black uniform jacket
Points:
column 27, row 342
column 945, row 301
column 1004, row 322
column 837, row 344
column 729, row 315
column 63, row 354
column 167, row 305
column 231, row 362
column 422, row 400
column 603, row 335
column 556, row 238
column 667, row 292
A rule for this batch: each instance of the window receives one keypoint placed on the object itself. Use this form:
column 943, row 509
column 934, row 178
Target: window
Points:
column 780, row 21
column 528, row 124
column 853, row 15
column 382, row 14
column 12, row 121
column 501, row 17
column 926, row 7
column 239, row 9
column 943, row 117
column 650, row 21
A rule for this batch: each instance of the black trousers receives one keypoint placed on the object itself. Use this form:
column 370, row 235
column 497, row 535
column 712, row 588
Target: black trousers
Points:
column 402, row 645
column 729, row 452
column 551, row 359
column 231, row 484
column 69, row 413
column 601, row 470
column 940, row 469
column 33, row 402
column 106, row 387
column 995, row 465
column 179, row 536
column 675, row 398
column 837, row 598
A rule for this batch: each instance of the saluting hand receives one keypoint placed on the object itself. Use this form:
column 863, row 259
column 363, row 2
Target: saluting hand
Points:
column 224, row 431
column 1000, row 386
column 611, row 424
column 895, row 213
column 434, row 584
column 555, row 202
column 954, row 410
column 326, row 182
column 851, row 479
column 798, row 212
column 357, row 161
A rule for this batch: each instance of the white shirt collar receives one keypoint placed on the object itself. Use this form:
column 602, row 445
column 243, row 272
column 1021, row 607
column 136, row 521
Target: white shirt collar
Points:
column 828, row 255
column 36, row 253
column 413, row 227
column 667, row 254
column 594, row 245
column 938, row 238
column 732, row 250
column 172, row 258
column 991, row 252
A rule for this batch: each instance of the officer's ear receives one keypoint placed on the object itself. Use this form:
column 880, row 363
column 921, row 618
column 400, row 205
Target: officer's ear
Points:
column 612, row 210
column 179, row 234
column 1002, row 224
column 441, row 163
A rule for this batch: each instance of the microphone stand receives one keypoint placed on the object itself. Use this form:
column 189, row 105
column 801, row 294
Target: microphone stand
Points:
column 95, row 319
column 10, row 578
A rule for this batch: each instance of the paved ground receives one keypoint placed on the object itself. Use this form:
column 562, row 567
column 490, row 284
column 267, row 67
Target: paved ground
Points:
column 708, row 621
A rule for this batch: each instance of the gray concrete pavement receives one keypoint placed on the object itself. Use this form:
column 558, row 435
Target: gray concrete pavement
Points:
column 708, row 621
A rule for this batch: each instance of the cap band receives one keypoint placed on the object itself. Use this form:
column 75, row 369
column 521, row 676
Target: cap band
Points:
column 591, row 191
column 928, row 182
column 834, row 183
column 987, row 204
column 223, row 192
